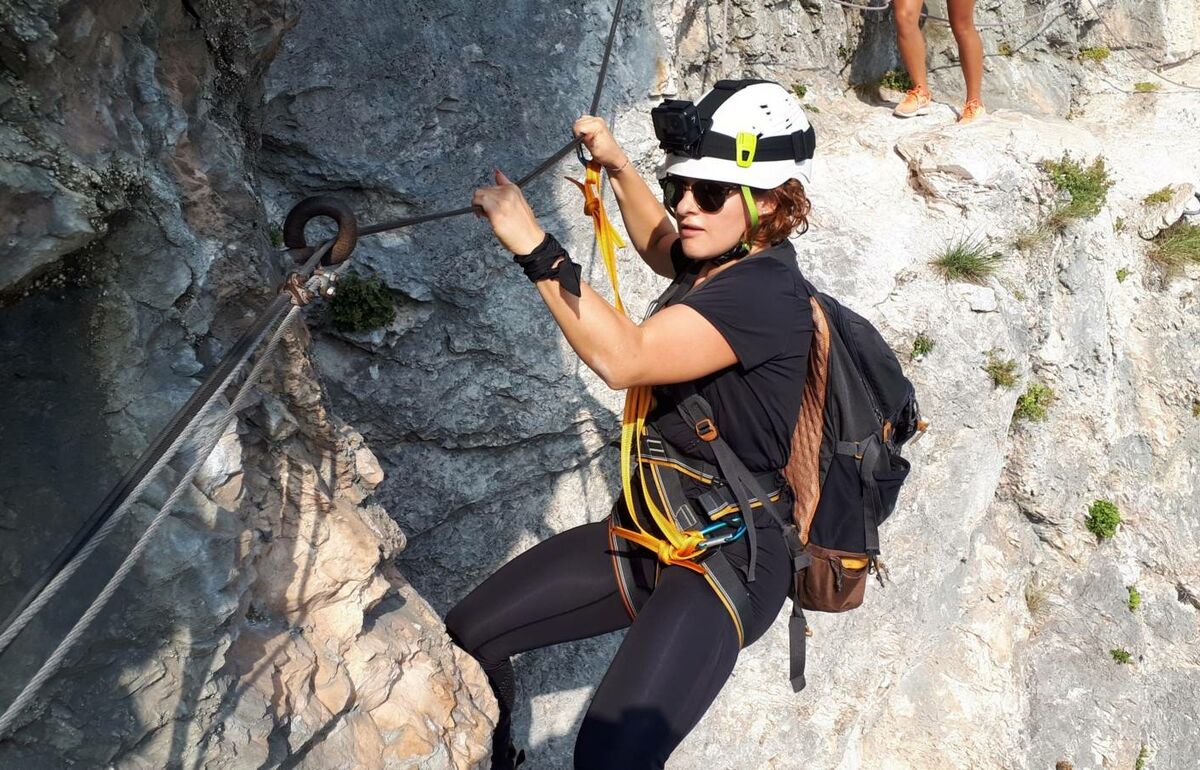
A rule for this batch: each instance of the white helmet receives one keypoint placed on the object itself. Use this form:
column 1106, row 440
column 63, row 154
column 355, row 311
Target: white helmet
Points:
column 744, row 132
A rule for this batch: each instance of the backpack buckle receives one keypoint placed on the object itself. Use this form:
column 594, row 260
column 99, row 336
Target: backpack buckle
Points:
column 706, row 430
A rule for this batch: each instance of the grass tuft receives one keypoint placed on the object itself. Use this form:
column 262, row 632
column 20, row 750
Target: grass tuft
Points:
column 1176, row 247
column 1144, row 87
column 1159, row 196
column 1135, row 598
column 967, row 259
column 1095, row 54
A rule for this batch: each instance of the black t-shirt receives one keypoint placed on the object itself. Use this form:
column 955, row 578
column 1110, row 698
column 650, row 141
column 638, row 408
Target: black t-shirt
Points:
column 761, row 307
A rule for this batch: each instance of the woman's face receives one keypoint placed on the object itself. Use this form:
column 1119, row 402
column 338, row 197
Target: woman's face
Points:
column 708, row 234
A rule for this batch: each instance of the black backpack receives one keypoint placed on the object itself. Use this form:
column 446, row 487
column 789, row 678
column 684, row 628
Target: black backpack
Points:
column 845, row 466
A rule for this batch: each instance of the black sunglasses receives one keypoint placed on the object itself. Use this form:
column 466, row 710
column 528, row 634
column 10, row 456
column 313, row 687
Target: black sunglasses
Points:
column 710, row 196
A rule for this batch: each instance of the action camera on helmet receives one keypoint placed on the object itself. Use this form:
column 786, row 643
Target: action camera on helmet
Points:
column 678, row 126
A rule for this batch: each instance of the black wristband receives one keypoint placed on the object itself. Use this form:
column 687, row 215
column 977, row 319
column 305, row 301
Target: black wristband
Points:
column 537, row 265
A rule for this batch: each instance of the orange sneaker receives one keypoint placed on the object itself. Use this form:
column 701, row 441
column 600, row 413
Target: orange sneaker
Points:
column 916, row 101
column 972, row 110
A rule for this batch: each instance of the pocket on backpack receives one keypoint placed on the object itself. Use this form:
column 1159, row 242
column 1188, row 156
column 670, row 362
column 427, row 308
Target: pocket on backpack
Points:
column 838, row 520
column 889, row 483
column 835, row 581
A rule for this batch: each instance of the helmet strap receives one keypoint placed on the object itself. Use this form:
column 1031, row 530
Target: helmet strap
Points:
column 742, row 247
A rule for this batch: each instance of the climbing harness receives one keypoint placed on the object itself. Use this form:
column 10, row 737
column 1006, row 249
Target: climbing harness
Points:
column 315, row 276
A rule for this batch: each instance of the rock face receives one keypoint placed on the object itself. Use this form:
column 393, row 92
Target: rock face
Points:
column 267, row 626
column 273, row 626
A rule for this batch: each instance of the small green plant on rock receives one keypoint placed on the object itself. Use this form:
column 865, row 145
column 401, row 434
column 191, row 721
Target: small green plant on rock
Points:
column 359, row 305
column 1121, row 655
column 1144, row 87
column 1135, row 598
column 1002, row 371
column 921, row 346
column 895, row 80
column 1122, row 274
column 1102, row 519
column 1159, row 196
column 1176, row 247
column 1032, row 404
column 1196, row 408
column 799, row 90
column 1142, row 758
column 967, row 259
column 1094, row 54
column 1087, row 187
column 275, row 234
column 1004, row 49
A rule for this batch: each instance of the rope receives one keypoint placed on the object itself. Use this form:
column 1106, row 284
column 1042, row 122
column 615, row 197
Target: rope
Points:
column 48, row 593
column 52, row 664
column 114, row 506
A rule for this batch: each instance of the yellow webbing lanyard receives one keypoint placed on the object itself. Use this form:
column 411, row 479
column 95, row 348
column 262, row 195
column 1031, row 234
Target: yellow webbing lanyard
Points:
column 679, row 547
column 606, row 235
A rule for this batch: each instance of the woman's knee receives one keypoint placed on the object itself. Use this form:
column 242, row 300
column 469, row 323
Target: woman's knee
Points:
column 462, row 630
column 640, row 739
column 907, row 15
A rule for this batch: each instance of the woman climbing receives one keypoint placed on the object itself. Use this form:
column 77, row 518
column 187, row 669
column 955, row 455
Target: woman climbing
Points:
column 911, row 42
column 695, row 582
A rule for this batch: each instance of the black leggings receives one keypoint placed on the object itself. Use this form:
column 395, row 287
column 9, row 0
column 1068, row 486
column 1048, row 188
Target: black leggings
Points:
column 674, row 660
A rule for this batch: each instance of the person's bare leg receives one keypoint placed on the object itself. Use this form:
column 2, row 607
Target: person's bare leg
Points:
column 970, row 47
column 910, row 40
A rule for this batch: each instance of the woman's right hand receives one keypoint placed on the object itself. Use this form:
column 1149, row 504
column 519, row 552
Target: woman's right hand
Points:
column 599, row 141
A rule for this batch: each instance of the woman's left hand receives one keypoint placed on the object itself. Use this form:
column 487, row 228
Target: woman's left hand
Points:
column 509, row 215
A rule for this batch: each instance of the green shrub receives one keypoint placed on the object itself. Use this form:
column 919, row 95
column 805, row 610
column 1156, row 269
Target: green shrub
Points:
column 1142, row 758
column 967, row 259
column 1103, row 518
column 1119, row 225
column 922, row 345
column 1159, row 196
column 896, row 80
column 1004, row 49
column 1032, row 404
column 1122, row 274
column 1087, row 186
column 1121, row 655
column 275, row 234
column 1145, row 88
column 359, row 305
column 1175, row 247
column 799, row 90
column 1095, row 54
column 1196, row 409
column 1002, row 371
column 1135, row 598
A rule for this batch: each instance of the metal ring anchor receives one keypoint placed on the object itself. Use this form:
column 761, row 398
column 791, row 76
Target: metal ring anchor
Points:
column 322, row 206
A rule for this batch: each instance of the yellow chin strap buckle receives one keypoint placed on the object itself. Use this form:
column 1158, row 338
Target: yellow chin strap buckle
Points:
column 747, row 143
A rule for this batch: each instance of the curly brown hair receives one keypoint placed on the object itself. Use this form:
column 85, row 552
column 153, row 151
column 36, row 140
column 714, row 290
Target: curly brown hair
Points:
column 790, row 214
